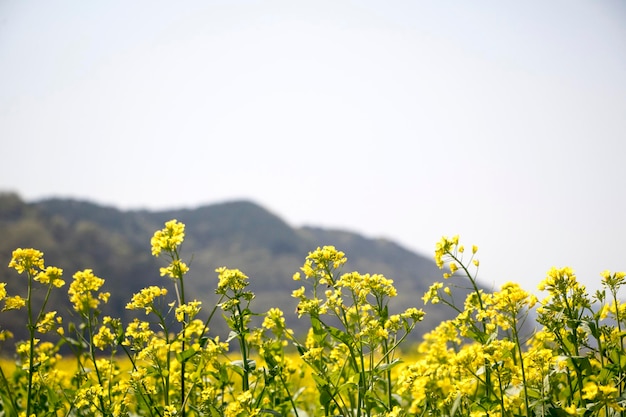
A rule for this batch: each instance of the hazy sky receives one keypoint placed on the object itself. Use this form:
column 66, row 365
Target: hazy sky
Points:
column 504, row 122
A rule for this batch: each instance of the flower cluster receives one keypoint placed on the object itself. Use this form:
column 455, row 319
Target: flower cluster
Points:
column 29, row 260
column 350, row 321
column 169, row 238
column 144, row 299
column 487, row 360
column 81, row 291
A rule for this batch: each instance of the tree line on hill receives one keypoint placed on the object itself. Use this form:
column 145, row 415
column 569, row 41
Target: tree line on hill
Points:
column 115, row 244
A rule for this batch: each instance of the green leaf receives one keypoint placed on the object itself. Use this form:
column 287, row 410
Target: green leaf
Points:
column 325, row 397
column 270, row 360
column 239, row 368
column 387, row 366
column 272, row 412
column 231, row 336
column 184, row 356
column 339, row 334
column 316, row 325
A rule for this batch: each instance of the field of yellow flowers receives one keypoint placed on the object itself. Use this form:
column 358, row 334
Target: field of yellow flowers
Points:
column 485, row 362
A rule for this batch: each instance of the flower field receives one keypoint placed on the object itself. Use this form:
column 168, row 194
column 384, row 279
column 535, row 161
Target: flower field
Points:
column 506, row 353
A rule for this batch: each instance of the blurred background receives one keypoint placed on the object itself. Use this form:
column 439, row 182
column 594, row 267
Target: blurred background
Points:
column 502, row 122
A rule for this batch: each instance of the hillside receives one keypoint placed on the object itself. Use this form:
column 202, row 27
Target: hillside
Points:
column 75, row 235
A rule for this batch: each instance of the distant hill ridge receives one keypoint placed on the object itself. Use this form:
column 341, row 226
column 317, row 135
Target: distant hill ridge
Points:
column 75, row 235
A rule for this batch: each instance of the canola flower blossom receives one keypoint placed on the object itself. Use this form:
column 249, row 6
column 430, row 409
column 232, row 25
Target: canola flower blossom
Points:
column 169, row 238
column 27, row 260
column 504, row 352
column 15, row 302
column 230, row 279
column 81, row 291
column 144, row 299
column 175, row 269
column 51, row 275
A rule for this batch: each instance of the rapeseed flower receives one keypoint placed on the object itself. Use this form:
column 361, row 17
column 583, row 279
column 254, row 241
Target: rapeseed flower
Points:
column 169, row 238
column 47, row 322
column 104, row 338
column 320, row 263
column 14, row 303
column 444, row 247
column 144, row 299
column 138, row 334
column 51, row 275
column 230, row 279
column 29, row 260
column 188, row 310
column 176, row 269
column 432, row 295
column 81, row 289
column 274, row 320
column 613, row 280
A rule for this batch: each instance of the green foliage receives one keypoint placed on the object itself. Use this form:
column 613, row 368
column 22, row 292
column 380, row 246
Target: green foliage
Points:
column 349, row 363
column 481, row 363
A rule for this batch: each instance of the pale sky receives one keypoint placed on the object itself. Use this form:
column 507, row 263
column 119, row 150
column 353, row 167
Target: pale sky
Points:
column 504, row 122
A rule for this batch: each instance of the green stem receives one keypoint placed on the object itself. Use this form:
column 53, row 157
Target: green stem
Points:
column 147, row 399
column 621, row 337
column 243, row 347
column 168, row 358
column 293, row 404
column 31, row 349
column 521, row 359
column 5, row 383
column 388, row 373
column 92, row 353
column 182, row 363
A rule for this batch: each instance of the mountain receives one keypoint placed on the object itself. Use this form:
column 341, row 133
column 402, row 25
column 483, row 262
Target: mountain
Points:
column 75, row 235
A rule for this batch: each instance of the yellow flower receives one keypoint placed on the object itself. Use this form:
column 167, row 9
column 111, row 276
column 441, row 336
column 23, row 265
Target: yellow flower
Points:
column 320, row 262
column 51, row 275
column 559, row 279
column 145, row 298
column 274, row 319
column 5, row 335
column 395, row 412
column 138, row 333
column 590, row 390
column 306, row 306
column 232, row 279
column 612, row 281
column 299, row 293
column 413, row 314
column 14, row 303
column 571, row 410
column 176, row 269
column 190, row 310
column 80, row 291
column 47, row 323
column 607, row 390
column 28, row 260
column 432, row 294
column 169, row 238
column 103, row 338
column 446, row 246
column 170, row 411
